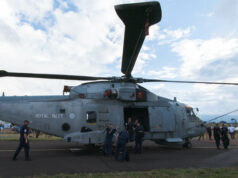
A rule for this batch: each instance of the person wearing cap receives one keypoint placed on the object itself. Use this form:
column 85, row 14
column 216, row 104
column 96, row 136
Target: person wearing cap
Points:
column 24, row 141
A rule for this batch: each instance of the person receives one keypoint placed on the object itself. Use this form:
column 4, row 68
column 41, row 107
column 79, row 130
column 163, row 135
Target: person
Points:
column 209, row 132
column 217, row 135
column 129, row 126
column 24, row 141
column 232, row 131
column 139, row 134
column 108, row 140
column 135, row 123
column 121, row 145
column 225, row 139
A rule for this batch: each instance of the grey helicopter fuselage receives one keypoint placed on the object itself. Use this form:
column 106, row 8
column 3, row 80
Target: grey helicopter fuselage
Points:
column 82, row 115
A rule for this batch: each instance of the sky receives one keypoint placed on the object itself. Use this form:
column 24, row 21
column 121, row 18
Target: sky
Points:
column 195, row 40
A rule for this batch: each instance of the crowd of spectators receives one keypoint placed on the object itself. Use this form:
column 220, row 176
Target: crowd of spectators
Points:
column 9, row 127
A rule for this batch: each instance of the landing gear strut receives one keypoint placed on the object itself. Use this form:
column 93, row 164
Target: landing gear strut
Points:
column 187, row 143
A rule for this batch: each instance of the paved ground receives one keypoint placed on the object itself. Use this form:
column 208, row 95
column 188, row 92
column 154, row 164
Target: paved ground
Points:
column 53, row 157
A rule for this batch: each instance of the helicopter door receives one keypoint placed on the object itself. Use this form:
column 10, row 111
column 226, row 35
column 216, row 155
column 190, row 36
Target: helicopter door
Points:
column 162, row 119
column 140, row 114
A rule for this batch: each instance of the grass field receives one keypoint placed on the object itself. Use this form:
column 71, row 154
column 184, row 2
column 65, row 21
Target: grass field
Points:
column 161, row 173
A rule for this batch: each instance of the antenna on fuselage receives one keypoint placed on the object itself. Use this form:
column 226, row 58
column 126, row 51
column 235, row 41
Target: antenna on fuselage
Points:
column 3, row 94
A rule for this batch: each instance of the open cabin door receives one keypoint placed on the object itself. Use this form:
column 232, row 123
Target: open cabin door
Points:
column 162, row 119
column 137, row 113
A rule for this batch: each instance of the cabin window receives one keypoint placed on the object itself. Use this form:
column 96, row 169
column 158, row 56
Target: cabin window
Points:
column 91, row 117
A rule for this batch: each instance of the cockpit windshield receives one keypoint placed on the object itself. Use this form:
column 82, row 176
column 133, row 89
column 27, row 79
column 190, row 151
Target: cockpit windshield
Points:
column 190, row 111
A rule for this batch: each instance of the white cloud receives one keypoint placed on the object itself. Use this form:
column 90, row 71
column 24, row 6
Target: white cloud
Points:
column 210, row 14
column 167, row 36
column 33, row 11
column 210, row 99
column 42, row 38
column 178, row 33
column 196, row 54
column 82, row 42
column 166, row 72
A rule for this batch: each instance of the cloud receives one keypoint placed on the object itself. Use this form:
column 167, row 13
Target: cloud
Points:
column 211, row 59
column 227, row 11
column 148, row 52
column 210, row 99
column 82, row 42
column 197, row 54
column 64, row 37
column 166, row 72
column 168, row 36
column 209, row 14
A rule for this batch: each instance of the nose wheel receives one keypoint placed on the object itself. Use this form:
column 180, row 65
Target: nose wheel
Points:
column 187, row 143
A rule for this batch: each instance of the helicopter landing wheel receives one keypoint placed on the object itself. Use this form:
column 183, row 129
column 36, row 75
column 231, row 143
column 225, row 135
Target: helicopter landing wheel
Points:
column 187, row 145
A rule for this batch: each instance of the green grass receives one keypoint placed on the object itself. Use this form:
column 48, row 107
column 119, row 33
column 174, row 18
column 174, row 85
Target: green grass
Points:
column 161, row 173
column 15, row 137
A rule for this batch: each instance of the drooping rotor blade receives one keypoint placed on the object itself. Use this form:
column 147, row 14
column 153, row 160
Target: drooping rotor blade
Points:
column 51, row 76
column 236, row 110
column 177, row 81
column 137, row 18
column 205, row 122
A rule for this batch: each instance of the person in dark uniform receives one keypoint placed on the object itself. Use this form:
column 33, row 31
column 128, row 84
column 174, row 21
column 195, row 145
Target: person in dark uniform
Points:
column 139, row 134
column 217, row 135
column 224, row 134
column 108, row 141
column 209, row 132
column 121, row 145
column 129, row 126
column 24, row 142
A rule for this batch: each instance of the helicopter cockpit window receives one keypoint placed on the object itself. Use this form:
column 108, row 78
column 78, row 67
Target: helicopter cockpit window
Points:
column 190, row 112
column 91, row 117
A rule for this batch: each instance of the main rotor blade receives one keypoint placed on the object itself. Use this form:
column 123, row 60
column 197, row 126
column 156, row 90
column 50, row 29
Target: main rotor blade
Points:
column 198, row 82
column 137, row 18
column 51, row 76
column 222, row 115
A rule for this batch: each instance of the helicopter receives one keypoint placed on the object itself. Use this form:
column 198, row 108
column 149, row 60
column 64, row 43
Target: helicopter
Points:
column 81, row 115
